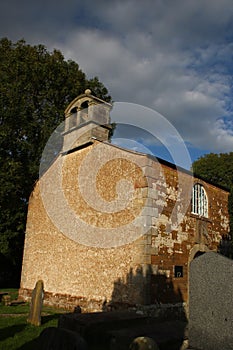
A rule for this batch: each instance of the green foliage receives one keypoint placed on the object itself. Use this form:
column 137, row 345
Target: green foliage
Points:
column 218, row 169
column 215, row 168
column 35, row 88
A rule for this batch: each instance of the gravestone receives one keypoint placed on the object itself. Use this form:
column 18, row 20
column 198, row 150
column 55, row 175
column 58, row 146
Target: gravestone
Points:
column 210, row 302
column 36, row 304
column 6, row 300
column 60, row 339
column 143, row 343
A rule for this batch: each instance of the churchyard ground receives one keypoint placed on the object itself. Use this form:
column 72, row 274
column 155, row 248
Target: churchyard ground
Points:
column 15, row 332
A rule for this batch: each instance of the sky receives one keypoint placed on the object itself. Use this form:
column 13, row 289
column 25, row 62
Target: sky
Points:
column 172, row 56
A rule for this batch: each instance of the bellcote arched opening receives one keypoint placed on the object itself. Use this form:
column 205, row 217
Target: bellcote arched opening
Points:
column 87, row 117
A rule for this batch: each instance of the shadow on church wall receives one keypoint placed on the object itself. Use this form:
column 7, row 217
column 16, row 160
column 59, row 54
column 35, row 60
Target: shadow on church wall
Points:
column 154, row 293
column 155, row 297
column 225, row 246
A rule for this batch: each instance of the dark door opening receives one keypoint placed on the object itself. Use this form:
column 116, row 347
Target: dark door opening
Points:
column 199, row 253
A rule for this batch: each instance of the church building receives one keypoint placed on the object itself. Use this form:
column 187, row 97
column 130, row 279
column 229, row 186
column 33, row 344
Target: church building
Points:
column 111, row 228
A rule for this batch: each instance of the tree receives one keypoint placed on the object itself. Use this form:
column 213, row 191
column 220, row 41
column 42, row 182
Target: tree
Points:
column 215, row 168
column 35, row 88
column 218, row 169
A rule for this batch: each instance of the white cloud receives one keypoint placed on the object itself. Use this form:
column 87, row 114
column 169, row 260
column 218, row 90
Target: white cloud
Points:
column 172, row 56
column 223, row 135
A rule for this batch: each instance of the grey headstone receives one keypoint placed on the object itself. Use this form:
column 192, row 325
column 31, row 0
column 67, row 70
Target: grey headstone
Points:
column 211, row 302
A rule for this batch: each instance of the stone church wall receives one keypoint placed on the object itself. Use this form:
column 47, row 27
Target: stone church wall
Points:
column 153, row 268
column 173, row 249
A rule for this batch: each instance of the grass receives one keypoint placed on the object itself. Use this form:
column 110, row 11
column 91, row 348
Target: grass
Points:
column 15, row 332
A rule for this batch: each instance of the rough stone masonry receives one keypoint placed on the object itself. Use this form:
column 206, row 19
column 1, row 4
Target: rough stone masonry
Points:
column 73, row 245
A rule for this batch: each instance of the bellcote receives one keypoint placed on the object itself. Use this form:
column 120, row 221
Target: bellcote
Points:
column 86, row 117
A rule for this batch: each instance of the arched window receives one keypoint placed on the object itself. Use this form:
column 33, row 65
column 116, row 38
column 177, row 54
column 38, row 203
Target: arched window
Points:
column 199, row 201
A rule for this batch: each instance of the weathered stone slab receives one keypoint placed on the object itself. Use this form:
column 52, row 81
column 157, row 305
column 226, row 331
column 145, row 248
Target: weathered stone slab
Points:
column 116, row 330
column 2, row 294
column 90, row 322
column 210, row 303
column 36, row 304
column 168, row 335
column 6, row 300
column 94, row 327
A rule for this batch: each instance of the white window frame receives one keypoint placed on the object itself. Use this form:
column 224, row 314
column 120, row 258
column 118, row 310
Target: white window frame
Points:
column 199, row 201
